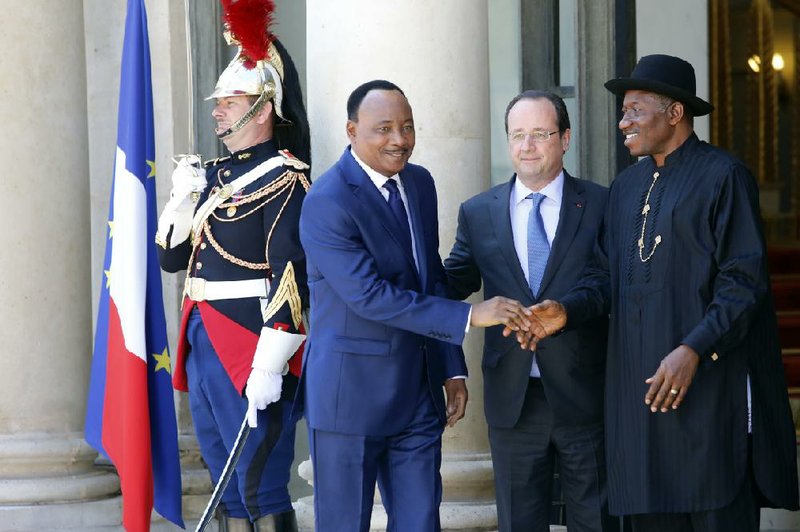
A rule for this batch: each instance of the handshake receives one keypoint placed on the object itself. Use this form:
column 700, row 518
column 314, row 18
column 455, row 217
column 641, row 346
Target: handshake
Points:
column 530, row 324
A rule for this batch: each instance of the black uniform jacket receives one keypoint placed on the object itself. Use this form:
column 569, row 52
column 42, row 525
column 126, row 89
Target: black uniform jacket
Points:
column 256, row 227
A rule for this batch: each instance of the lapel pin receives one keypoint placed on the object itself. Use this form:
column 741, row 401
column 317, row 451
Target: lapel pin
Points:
column 579, row 205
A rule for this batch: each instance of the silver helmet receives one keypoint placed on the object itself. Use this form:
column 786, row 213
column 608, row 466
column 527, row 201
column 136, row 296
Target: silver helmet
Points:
column 250, row 73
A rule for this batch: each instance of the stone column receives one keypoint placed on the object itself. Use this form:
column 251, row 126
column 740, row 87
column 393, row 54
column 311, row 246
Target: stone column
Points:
column 44, row 274
column 437, row 52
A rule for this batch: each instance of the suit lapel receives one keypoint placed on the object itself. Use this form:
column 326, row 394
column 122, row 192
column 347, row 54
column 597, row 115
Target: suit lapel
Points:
column 367, row 192
column 573, row 205
column 501, row 222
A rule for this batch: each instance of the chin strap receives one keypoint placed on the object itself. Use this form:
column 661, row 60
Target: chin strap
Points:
column 265, row 96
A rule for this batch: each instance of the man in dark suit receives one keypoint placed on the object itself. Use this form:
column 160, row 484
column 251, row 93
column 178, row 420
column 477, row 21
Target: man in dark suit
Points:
column 381, row 344
column 698, row 425
column 529, row 239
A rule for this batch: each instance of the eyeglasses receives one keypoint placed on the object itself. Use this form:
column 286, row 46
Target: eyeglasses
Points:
column 517, row 137
column 636, row 112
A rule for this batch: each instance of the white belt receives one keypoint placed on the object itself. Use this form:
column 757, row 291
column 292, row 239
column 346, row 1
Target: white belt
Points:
column 198, row 289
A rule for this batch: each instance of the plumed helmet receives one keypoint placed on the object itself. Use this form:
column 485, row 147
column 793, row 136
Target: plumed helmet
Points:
column 265, row 78
column 257, row 68
column 263, row 68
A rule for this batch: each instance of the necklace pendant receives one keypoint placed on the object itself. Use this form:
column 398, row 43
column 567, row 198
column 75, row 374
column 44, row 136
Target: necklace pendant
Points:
column 231, row 211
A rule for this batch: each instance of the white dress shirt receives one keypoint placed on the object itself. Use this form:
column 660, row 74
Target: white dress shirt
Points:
column 519, row 209
column 379, row 180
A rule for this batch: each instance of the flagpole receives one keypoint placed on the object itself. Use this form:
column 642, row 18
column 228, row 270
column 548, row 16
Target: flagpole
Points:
column 190, row 78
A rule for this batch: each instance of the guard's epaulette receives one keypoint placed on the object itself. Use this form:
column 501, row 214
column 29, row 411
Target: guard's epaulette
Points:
column 215, row 162
column 292, row 161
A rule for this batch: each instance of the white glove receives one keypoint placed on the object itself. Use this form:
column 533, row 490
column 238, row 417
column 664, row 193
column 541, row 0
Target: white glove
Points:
column 263, row 388
column 274, row 349
column 188, row 181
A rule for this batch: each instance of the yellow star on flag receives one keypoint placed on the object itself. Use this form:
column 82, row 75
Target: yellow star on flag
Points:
column 163, row 361
column 108, row 278
column 111, row 229
column 152, row 165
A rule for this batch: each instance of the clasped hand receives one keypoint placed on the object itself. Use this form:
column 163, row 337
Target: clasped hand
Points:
column 500, row 311
column 544, row 319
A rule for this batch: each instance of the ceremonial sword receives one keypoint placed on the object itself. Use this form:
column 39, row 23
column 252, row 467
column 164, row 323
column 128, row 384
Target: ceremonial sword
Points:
column 227, row 472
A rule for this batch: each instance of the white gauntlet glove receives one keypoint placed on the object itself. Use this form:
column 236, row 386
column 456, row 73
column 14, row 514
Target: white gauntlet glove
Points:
column 188, row 181
column 273, row 351
column 263, row 388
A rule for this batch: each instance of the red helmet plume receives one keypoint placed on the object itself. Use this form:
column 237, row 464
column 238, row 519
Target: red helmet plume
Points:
column 249, row 22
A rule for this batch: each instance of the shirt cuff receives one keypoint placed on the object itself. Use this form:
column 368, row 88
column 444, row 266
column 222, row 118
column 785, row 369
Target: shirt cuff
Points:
column 469, row 319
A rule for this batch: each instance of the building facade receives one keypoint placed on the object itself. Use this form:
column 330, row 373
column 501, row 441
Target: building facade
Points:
column 459, row 62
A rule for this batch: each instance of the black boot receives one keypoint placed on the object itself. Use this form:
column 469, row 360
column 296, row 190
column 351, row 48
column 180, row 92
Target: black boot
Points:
column 285, row 522
column 233, row 524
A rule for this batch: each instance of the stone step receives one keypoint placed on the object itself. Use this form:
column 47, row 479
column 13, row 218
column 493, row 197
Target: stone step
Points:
column 104, row 516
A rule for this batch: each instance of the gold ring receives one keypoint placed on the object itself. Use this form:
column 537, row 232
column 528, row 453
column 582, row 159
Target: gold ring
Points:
column 673, row 391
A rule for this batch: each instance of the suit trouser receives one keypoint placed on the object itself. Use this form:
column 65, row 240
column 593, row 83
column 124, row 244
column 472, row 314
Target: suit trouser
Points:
column 523, row 458
column 258, row 486
column 406, row 466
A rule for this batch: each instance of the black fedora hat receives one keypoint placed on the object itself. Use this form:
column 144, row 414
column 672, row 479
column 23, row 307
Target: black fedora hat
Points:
column 667, row 75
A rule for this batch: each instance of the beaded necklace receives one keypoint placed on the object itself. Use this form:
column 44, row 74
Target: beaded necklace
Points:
column 645, row 213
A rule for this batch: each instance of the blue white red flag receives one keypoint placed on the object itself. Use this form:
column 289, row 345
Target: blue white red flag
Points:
column 130, row 414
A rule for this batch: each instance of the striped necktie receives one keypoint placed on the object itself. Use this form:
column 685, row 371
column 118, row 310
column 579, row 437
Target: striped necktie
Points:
column 538, row 246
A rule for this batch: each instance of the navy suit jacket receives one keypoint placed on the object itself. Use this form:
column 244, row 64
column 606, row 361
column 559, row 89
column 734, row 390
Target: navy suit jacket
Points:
column 379, row 336
column 572, row 363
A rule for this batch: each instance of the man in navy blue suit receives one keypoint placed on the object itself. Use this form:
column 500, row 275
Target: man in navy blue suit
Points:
column 529, row 238
column 383, row 339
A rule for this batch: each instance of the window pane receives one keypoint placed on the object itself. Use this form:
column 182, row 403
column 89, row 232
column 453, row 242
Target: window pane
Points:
column 567, row 37
column 504, row 78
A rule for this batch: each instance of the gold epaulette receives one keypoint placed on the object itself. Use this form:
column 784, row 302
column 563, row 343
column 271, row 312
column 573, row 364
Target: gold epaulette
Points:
column 298, row 169
column 292, row 161
column 215, row 162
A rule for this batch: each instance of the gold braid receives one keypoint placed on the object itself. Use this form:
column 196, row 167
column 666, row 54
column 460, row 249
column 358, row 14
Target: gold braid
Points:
column 227, row 256
column 286, row 181
column 304, row 181
column 278, row 186
column 278, row 217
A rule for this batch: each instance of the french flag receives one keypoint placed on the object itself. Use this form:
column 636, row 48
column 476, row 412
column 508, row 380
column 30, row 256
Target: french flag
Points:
column 131, row 414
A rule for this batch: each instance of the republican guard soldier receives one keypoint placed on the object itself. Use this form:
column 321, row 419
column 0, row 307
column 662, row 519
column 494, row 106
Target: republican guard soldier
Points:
column 232, row 223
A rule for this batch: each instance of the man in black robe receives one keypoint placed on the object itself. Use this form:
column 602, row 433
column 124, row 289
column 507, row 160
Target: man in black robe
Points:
column 698, row 426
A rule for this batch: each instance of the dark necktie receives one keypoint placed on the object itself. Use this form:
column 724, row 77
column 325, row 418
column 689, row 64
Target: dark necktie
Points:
column 538, row 246
column 400, row 214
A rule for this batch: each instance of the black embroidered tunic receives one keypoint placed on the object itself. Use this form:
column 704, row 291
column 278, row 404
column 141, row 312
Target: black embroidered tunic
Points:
column 699, row 278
